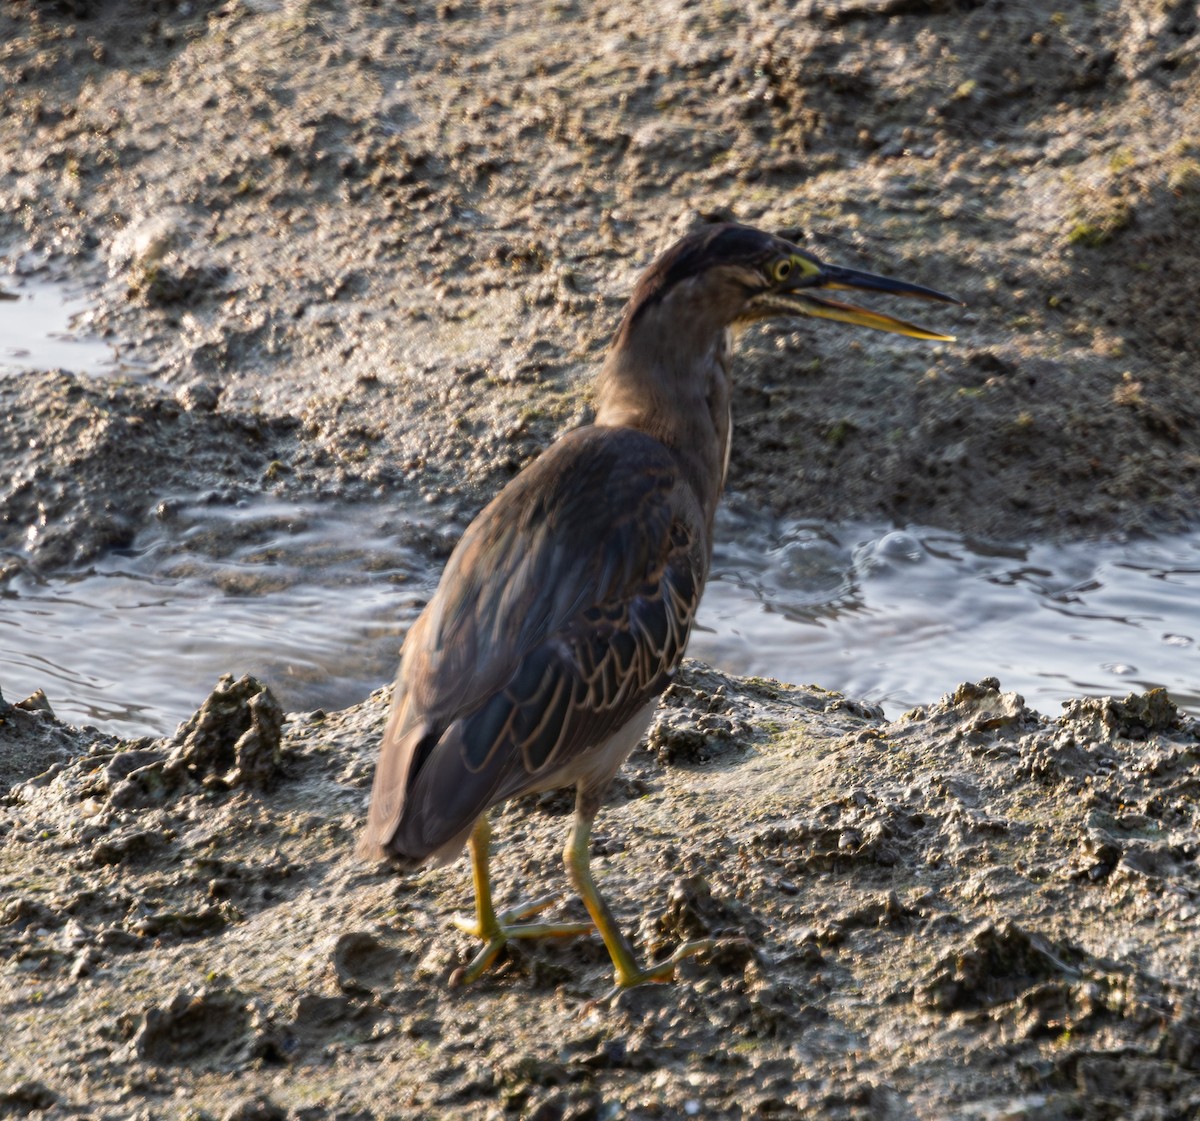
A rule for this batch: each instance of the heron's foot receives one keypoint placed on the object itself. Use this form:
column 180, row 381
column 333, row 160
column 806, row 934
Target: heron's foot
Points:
column 664, row 971
column 506, row 926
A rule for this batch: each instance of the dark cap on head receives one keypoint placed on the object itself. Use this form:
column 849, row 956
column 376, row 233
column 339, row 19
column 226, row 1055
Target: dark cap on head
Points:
column 719, row 243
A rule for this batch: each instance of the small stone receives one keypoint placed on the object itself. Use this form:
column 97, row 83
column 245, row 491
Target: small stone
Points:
column 363, row 964
column 199, row 397
column 254, row 1109
column 35, row 702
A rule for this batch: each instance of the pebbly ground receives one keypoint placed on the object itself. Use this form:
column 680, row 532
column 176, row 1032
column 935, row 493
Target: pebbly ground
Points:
column 972, row 911
column 361, row 252
column 377, row 251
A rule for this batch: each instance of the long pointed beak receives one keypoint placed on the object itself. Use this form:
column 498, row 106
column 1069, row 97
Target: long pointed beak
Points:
column 834, row 276
column 802, row 301
column 805, row 303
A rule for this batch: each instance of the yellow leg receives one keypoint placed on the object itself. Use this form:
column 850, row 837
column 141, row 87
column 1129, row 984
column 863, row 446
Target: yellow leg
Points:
column 495, row 930
column 577, row 857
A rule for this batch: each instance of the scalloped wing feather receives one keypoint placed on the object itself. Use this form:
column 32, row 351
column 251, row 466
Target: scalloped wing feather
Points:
column 563, row 611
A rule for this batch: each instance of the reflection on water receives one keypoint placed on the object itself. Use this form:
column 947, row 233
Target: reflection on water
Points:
column 315, row 601
column 900, row 617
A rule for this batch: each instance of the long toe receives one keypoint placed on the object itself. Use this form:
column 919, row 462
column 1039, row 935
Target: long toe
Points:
column 509, row 925
column 506, row 928
column 477, row 966
column 663, row 971
column 475, row 926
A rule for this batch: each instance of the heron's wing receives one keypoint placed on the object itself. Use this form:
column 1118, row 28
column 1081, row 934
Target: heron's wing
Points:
column 562, row 612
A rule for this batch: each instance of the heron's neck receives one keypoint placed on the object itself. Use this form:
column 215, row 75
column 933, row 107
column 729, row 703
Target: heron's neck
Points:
column 673, row 383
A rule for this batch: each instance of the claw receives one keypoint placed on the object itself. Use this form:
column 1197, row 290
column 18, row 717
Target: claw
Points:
column 661, row 973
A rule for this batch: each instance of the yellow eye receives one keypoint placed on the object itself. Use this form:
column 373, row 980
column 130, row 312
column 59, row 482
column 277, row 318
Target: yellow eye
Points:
column 781, row 270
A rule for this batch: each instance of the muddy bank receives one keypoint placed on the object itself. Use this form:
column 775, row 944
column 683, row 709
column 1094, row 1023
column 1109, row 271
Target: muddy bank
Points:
column 384, row 249
column 374, row 254
column 971, row 911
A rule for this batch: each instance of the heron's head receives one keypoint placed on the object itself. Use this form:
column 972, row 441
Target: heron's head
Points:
column 727, row 275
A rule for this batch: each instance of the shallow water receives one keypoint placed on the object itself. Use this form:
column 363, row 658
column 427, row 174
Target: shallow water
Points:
column 315, row 601
column 314, row 605
column 40, row 328
column 900, row 617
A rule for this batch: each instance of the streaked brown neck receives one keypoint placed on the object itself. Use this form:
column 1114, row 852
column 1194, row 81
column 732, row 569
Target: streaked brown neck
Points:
column 668, row 375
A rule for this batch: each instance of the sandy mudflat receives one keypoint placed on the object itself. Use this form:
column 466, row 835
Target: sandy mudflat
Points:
column 373, row 253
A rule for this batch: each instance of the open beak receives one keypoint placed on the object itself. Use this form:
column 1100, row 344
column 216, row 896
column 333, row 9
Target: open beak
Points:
column 801, row 300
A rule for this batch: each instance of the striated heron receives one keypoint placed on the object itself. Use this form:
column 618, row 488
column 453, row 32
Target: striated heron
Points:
column 566, row 607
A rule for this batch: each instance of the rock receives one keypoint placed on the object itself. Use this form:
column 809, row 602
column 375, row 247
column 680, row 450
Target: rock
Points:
column 130, row 846
column 147, row 239
column 256, row 1108
column 124, row 763
column 979, row 711
column 35, row 702
column 996, row 965
column 363, row 964
column 199, row 396
column 692, row 911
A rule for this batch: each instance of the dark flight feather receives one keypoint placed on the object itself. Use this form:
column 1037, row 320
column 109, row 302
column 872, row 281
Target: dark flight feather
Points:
column 583, row 566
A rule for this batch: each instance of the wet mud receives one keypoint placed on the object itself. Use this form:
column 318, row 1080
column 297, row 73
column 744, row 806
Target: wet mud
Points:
column 969, row 911
column 373, row 253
